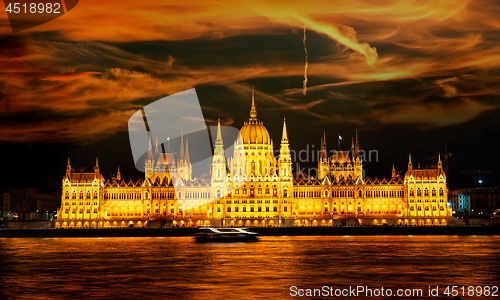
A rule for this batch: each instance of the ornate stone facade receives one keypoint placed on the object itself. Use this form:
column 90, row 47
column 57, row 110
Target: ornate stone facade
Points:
column 253, row 188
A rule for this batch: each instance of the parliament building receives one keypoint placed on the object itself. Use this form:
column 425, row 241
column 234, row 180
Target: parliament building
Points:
column 253, row 188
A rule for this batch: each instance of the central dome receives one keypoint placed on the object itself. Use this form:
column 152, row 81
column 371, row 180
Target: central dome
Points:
column 254, row 131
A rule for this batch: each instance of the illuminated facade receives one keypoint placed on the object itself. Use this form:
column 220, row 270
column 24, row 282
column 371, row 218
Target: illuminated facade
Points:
column 254, row 188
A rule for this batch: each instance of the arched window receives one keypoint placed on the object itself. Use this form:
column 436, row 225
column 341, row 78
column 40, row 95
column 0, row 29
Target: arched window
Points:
column 433, row 192
column 285, row 193
column 146, row 196
column 218, row 193
column 66, row 195
column 426, row 192
column 441, row 192
column 412, row 193
column 326, row 194
column 419, row 193
column 360, row 194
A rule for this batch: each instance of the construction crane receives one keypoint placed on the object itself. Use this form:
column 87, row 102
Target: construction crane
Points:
column 478, row 172
column 445, row 157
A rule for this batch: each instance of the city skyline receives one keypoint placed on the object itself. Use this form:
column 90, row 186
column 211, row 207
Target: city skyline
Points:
column 409, row 76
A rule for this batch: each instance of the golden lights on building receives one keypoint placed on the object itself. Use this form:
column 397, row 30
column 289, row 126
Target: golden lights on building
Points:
column 253, row 188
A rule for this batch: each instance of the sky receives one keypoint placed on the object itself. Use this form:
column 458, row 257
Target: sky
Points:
column 409, row 76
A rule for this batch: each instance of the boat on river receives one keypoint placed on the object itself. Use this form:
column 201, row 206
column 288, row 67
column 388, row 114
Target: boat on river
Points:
column 226, row 235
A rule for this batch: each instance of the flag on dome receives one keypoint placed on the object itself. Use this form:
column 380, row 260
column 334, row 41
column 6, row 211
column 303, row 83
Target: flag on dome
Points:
column 340, row 138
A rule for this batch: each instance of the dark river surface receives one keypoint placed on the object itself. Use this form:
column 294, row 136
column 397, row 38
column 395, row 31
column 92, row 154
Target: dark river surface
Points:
column 179, row 268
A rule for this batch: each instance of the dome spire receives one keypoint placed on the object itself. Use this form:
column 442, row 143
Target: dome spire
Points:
column 253, row 111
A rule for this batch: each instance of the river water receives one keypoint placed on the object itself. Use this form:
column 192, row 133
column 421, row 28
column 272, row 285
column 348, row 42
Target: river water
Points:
column 177, row 267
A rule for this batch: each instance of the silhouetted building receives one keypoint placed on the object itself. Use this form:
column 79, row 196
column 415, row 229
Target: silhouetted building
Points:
column 475, row 202
column 29, row 204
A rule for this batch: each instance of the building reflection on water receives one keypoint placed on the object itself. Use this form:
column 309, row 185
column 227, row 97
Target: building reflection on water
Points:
column 121, row 268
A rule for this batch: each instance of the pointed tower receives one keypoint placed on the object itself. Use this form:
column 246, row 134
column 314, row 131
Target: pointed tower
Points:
column 186, row 153
column 149, row 163
column 356, row 146
column 410, row 165
column 156, row 148
column 96, row 168
column 440, row 166
column 253, row 110
column 118, row 175
column 68, row 170
column 352, row 149
column 285, row 159
column 182, row 147
column 219, row 169
column 323, row 163
column 393, row 171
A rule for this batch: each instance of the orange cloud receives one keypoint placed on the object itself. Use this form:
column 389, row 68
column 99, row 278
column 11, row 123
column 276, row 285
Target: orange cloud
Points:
column 375, row 41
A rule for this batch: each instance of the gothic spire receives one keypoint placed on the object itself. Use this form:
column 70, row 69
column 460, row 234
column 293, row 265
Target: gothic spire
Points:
column 182, row 146
column 187, row 150
column 253, row 111
column 218, row 140
column 410, row 165
column 284, row 137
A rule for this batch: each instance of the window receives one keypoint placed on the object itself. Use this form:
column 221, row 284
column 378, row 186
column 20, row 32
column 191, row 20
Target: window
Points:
column 244, row 209
column 267, row 208
column 236, row 209
column 285, row 193
column 441, row 192
column 218, row 209
column 419, row 193
column 229, row 209
column 251, row 209
column 275, row 208
column 285, row 208
column 259, row 209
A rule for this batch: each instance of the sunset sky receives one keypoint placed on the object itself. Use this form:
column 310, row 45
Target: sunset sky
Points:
column 410, row 76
